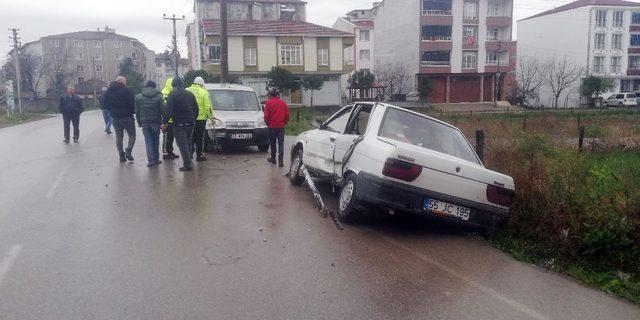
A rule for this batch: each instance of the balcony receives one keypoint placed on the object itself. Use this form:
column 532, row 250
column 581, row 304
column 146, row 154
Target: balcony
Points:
column 633, row 71
column 436, row 7
column 499, row 22
column 436, row 12
column 426, row 64
column 436, row 38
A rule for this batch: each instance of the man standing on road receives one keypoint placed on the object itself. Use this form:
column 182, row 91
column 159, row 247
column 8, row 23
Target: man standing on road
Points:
column 120, row 102
column 149, row 108
column 205, row 112
column 167, row 135
column 276, row 115
column 182, row 107
column 105, row 113
column 71, row 108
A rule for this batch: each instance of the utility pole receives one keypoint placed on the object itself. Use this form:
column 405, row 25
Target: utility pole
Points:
column 224, row 43
column 95, row 90
column 175, row 41
column 16, row 59
column 498, row 75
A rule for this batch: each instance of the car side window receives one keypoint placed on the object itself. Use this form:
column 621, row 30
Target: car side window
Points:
column 340, row 123
column 358, row 125
column 620, row 96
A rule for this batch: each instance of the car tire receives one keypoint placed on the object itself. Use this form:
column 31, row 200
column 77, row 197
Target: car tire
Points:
column 621, row 105
column 295, row 176
column 347, row 202
column 263, row 148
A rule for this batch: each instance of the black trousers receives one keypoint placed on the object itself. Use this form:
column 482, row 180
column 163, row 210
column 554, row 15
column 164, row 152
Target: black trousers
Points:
column 199, row 136
column 121, row 125
column 167, row 141
column 68, row 119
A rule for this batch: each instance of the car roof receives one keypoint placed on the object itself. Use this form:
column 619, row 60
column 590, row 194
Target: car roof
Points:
column 419, row 114
column 227, row 86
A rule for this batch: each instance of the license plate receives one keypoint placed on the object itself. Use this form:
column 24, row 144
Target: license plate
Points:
column 447, row 209
column 241, row 136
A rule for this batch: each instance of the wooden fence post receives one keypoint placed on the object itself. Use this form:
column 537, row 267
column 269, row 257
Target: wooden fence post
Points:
column 480, row 144
column 581, row 138
column 524, row 123
column 579, row 122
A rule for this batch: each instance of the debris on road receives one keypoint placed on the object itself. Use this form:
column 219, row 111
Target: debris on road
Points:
column 324, row 211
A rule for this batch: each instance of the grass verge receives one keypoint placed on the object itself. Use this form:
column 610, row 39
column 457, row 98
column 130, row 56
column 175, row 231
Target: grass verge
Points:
column 18, row 118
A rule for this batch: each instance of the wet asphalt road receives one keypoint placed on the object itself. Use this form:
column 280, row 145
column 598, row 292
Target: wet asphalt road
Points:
column 85, row 237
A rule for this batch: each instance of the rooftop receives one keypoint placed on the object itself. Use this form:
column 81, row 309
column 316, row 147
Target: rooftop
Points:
column 584, row 3
column 272, row 28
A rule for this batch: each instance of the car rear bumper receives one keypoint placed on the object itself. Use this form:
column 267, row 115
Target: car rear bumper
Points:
column 259, row 136
column 397, row 196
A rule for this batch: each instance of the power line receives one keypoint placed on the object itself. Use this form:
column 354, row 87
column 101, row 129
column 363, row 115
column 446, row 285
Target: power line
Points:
column 175, row 40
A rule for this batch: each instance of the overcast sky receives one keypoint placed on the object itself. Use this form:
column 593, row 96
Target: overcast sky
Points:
column 142, row 19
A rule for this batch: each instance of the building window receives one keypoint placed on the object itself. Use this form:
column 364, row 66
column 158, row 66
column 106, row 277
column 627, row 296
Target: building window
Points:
column 618, row 19
column 79, row 56
column 436, row 33
column 117, row 44
column 616, row 42
column 635, row 40
column 492, row 34
column 616, row 64
column 290, row 54
column 635, row 18
column 601, row 18
column 98, row 56
column 97, row 44
column 99, row 68
column 598, row 64
column 158, row 65
column 250, row 56
column 364, row 35
column 435, row 58
column 79, row 68
column 470, row 35
column 78, row 44
column 494, row 8
column 366, row 70
column 55, row 43
column 119, row 56
column 80, row 80
column 323, row 56
column 600, row 41
column 470, row 10
column 214, row 54
column 134, row 56
column 634, row 62
column 493, row 58
column 469, row 59
column 365, row 55
column 436, row 7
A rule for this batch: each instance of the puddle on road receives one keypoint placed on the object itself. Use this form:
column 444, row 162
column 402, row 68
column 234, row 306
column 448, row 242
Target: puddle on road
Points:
column 213, row 256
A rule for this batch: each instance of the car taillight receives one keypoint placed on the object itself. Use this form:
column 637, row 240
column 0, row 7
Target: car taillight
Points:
column 401, row 170
column 500, row 196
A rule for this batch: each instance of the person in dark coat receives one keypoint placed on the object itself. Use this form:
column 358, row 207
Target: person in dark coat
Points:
column 182, row 107
column 71, row 107
column 149, row 108
column 120, row 102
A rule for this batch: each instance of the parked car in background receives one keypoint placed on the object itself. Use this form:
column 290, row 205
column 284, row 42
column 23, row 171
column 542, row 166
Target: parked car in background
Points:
column 389, row 157
column 638, row 98
column 621, row 100
column 239, row 120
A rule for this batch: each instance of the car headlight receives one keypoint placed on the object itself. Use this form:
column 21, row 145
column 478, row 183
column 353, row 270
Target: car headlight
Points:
column 261, row 123
column 218, row 124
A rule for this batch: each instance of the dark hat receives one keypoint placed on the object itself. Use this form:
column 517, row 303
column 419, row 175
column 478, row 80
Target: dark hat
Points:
column 150, row 84
column 177, row 83
column 274, row 92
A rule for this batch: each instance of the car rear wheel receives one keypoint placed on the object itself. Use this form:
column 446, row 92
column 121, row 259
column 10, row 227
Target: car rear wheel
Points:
column 263, row 148
column 295, row 175
column 347, row 203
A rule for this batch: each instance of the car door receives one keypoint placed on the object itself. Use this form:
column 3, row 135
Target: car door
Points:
column 356, row 127
column 320, row 147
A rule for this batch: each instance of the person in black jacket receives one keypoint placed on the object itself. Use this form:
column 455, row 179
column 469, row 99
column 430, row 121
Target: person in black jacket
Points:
column 183, row 109
column 71, row 108
column 120, row 102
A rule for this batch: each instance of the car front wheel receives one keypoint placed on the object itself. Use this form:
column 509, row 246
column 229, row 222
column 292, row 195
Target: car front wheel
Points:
column 295, row 174
column 347, row 204
column 621, row 105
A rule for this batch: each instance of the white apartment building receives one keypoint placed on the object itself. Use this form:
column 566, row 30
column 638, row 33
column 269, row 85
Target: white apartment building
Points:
column 600, row 36
column 463, row 47
column 360, row 24
column 164, row 68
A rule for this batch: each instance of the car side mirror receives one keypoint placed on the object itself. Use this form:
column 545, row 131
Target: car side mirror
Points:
column 316, row 124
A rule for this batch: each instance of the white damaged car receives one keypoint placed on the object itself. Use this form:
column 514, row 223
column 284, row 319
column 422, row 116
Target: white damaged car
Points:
column 389, row 157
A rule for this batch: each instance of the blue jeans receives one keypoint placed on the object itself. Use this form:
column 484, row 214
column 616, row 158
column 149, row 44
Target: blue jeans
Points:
column 277, row 135
column 151, row 132
column 107, row 120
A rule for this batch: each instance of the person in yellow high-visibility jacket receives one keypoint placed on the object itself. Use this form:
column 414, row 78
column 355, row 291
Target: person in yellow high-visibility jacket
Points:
column 205, row 112
column 167, row 135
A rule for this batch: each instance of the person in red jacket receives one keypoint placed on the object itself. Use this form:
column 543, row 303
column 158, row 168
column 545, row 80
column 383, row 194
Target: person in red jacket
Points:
column 276, row 115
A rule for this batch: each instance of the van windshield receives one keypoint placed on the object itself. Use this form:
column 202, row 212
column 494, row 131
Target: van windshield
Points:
column 423, row 132
column 234, row 100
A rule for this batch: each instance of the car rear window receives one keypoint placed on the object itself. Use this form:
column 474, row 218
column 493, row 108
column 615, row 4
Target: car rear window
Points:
column 631, row 96
column 423, row 132
column 234, row 100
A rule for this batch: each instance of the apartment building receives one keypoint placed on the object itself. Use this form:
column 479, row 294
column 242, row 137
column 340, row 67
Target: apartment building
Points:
column 164, row 67
column 266, row 34
column 463, row 47
column 360, row 24
column 87, row 55
column 600, row 36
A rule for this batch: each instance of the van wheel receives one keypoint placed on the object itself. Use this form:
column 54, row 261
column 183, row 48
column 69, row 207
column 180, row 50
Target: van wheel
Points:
column 295, row 175
column 263, row 148
column 621, row 105
column 347, row 203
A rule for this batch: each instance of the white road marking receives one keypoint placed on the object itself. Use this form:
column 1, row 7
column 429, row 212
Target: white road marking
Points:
column 57, row 182
column 514, row 304
column 8, row 259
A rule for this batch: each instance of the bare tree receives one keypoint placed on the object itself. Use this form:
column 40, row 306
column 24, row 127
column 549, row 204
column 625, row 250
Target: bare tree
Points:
column 561, row 75
column 530, row 74
column 32, row 71
column 395, row 76
column 57, row 71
